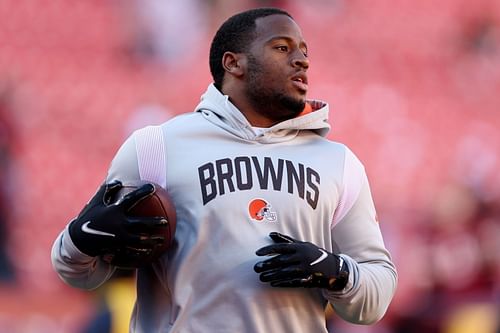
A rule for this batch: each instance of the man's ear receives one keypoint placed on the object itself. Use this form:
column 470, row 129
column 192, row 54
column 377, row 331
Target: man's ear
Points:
column 234, row 63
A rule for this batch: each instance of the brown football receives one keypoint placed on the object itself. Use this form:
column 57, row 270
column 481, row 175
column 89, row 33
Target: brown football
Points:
column 158, row 204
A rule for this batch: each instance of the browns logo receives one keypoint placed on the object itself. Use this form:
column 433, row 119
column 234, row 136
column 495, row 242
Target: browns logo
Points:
column 260, row 210
column 244, row 173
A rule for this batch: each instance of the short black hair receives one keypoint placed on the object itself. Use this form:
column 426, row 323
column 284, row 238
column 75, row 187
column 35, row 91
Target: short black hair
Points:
column 235, row 35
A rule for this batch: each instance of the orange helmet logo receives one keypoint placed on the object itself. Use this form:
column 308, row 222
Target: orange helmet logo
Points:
column 260, row 209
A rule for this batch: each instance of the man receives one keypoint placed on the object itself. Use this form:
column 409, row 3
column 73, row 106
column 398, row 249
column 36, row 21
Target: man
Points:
column 273, row 219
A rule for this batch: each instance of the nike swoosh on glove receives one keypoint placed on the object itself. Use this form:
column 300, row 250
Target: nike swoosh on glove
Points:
column 104, row 226
column 300, row 264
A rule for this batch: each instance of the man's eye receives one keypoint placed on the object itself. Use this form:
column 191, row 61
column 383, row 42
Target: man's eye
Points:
column 283, row 48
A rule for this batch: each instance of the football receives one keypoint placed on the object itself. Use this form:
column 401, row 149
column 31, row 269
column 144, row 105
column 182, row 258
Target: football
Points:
column 157, row 204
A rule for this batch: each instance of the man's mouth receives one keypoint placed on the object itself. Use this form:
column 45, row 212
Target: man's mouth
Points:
column 300, row 81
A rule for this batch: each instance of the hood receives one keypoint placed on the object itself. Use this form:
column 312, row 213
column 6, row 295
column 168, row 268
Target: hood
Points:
column 218, row 109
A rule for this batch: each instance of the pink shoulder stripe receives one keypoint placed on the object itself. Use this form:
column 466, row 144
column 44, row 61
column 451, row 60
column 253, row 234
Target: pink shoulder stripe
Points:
column 352, row 181
column 150, row 149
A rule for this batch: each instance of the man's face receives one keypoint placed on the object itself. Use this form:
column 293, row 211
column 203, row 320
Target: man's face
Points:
column 276, row 80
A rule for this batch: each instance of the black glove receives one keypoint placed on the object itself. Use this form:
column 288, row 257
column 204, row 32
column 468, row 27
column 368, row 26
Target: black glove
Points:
column 103, row 227
column 300, row 264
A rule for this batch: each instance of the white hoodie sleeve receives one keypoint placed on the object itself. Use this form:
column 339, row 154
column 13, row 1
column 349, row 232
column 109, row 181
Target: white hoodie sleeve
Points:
column 74, row 267
column 357, row 238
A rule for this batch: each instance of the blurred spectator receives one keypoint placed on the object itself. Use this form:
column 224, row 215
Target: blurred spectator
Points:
column 477, row 67
column 144, row 115
column 221, row 9
column 7, row 272
column 163, row 32
column 114, row 303
column 462, row 240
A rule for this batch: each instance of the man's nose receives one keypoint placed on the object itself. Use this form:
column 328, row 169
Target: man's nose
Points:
column 300, row 60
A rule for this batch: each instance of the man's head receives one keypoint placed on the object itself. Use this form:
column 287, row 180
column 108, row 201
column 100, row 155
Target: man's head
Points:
column 235, row 35
column 259, row 58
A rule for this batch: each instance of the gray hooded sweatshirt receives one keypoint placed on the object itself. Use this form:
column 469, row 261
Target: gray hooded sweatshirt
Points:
column 232, row 185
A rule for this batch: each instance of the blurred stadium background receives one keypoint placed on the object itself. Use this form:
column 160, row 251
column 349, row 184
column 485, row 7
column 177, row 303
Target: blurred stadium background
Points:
column 414, row 89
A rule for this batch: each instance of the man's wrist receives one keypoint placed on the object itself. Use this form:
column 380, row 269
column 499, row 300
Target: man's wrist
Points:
column 339, row 282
